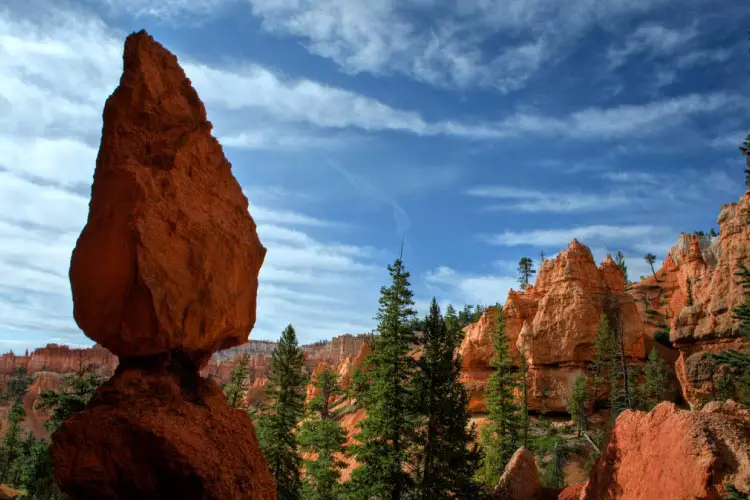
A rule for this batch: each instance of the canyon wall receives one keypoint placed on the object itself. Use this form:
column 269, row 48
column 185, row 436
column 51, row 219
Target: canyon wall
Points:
column 553, row 324
column 59, row 359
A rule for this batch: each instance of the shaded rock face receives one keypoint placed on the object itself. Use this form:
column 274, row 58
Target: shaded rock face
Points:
column 669, row 453
column 701, row 269
column 157, row 430
column 520, row 480
column 164, row 274
column 554, row 323
column 169, row 257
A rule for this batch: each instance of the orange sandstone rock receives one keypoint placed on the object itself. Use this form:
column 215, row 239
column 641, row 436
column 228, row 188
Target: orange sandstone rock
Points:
column 520, row 480
column 169, row 257
column 673, row 454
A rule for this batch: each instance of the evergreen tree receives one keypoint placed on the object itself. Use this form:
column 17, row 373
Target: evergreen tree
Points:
column 620, row 261
column 577, row 404
column 525, row 272
column 322, row 436
column 278, row 422
column 553, row 475
column 655, row 380
column 745, row 150
column 690, row 299
column 525, row 419
column 386, row 443
column 500, row 436
column 742, row 312
column 236, row 389
column 449, row 460
column 12, row 444
column 70, row 398
column 650, row 260
column 603, row 366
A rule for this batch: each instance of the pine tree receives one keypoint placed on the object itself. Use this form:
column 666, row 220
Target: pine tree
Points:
column 745, row 150
column 650, row 260
column 525, row 419
column 655, row 380
column 12, row 444
column 620, row 261
column 278, row 422
column 605, row 357
column 553, row 475
column 236, row 389
column 525, row 272
column 500, row 436
column 70, row 398
column 742, row 312
column 386, row 443
column 448, row 460
column 322, row 436
column 577, row 404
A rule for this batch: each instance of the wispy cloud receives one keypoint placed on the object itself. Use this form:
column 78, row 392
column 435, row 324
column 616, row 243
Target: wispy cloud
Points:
column 529, row 200
column 465, row 288
column 651, row 40
column 592, row 234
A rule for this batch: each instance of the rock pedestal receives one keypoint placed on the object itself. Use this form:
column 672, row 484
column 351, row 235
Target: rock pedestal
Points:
column 164, row 274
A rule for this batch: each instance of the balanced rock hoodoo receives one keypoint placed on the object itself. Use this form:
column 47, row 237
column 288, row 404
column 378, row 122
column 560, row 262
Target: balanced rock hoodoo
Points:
column 164, row 274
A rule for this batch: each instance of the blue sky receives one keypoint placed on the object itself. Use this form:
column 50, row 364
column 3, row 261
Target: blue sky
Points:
column 481, row 131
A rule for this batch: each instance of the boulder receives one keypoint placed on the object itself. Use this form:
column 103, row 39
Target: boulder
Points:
column 169, row 257
column 520, row 480
column 671, row 453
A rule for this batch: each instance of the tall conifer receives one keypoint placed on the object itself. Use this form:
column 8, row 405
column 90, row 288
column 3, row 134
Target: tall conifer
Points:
column 278, row 422
column 386, row 443
column 449, row 460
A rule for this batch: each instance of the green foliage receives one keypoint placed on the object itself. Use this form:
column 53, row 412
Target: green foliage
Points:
column 386, row 444
column 736, row 383
column 448, row 458
column 690, row 300
column 650, row 260
column 525, row 271
column 16, row 386
column 742, row 312
column 72, row 397
column 603, row 366
column 732, row 493
column 620, row 261
column 577, row 404
column 745, row 150
column 655, row 380
column 469, row 314
column 278, row 422
column 662, row 337
column 500, row 437
column 237, row 386
column 322, row 436
column 552, row 474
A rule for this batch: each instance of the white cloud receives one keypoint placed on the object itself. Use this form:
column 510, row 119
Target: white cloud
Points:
column 651, row 40
column 458, row 288
column 528, row 200
column 590, row 235
column 449, row 49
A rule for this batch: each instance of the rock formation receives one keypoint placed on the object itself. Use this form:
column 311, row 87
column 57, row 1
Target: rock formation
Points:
column 693, row 295
column 554, row 324
column 164, row 274
column 669, row 453
column 520, row 480
column 59, row 359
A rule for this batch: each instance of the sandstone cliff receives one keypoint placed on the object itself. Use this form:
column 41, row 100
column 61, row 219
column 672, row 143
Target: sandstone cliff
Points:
column 60, row 359
column 554, row 325
column 694, row 294
column 178, row 283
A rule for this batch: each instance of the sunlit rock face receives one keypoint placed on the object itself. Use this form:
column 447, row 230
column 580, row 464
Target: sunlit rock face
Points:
column 694, row 294
column 164, row 274
column 554, row 324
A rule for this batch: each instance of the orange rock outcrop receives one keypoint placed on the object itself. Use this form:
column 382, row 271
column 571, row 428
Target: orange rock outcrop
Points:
column 150, row 272
column 693, row 296
column 554, row 325
column 59, row 359
column 164, row 274
column 669, row 453
column 520, row 480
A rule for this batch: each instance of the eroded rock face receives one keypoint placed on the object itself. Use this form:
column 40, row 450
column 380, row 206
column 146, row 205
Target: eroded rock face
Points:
column 554, row 323
column 60, row 359
column 694, row 294
column 169, row 257
column 669, row 453
column 164, row 274
column 157, row 430
column 520, row 480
